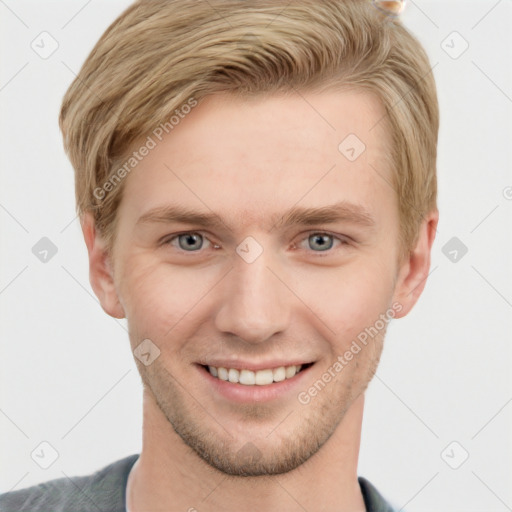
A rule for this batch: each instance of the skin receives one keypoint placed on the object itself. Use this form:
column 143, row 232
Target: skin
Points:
column 247, row 160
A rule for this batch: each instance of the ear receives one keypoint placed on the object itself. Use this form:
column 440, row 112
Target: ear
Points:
column 100, row 269
column 414, row 269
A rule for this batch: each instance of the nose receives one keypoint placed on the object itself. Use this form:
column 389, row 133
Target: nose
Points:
column 255, row 303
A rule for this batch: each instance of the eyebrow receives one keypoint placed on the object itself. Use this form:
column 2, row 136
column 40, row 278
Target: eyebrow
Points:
column 297, row 216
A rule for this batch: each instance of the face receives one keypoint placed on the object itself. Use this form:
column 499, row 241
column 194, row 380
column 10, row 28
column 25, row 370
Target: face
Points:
column 252, row 290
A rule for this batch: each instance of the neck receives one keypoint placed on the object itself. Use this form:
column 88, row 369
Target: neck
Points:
column 170, row 476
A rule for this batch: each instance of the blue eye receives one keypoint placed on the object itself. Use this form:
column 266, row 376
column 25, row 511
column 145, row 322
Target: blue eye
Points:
column 322, row 239
column 319, row 242
column 323, row 242
column 186, row 241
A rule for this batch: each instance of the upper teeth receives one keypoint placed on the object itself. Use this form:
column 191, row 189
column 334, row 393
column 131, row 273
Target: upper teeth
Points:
column 250, row 378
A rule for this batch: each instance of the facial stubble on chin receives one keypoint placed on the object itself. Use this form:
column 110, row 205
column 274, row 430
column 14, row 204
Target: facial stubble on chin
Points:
column 212, row 442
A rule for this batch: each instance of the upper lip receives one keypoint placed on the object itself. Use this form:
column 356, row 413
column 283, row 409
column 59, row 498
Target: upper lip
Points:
column 254, row 366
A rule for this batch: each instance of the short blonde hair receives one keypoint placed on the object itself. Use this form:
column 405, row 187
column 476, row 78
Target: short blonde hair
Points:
column 160, row 54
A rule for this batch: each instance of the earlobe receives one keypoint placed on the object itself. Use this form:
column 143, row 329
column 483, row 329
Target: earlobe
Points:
column 414, row 270
column 100, row 270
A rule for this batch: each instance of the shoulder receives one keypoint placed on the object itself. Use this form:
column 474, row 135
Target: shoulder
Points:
column 373, row 500
column 103, row 490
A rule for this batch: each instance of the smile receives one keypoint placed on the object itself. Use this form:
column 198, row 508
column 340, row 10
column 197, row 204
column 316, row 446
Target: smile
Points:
column 255, row 378
column 254, row 382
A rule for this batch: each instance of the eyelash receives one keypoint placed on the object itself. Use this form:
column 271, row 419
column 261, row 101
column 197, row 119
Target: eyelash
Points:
column 328, row 252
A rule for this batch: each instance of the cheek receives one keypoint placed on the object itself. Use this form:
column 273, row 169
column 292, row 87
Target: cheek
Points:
column 157, row 296
column 350, row 298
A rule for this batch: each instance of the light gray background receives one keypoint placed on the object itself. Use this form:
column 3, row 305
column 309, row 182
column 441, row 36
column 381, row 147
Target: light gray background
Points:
column 67, row 374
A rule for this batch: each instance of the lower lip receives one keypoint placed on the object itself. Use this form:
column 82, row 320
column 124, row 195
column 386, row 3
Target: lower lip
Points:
column 241, row 393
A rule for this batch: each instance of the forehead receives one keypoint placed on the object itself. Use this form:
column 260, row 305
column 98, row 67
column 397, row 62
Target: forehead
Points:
column 250, row 155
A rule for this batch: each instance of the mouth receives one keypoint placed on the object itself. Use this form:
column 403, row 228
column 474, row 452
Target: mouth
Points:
column 263, row 377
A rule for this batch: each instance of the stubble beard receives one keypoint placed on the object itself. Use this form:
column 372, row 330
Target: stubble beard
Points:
column 271, row 453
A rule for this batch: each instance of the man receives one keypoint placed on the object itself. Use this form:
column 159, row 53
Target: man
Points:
column 215, row 144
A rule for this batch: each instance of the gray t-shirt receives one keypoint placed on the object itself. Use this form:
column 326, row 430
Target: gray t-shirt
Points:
column 104, row 491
